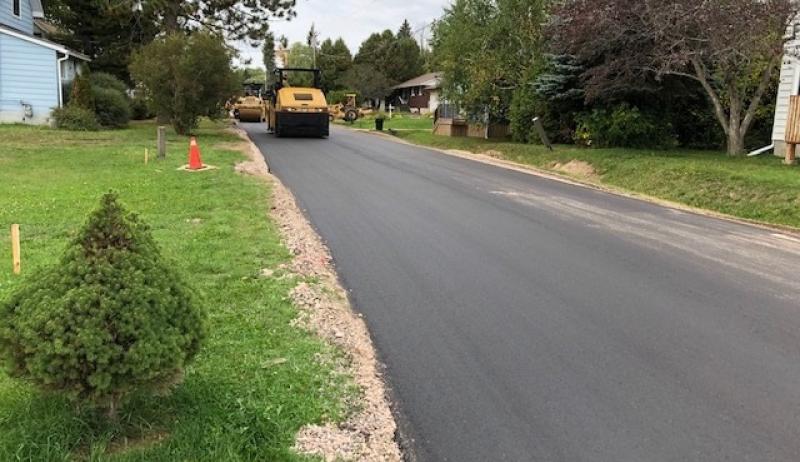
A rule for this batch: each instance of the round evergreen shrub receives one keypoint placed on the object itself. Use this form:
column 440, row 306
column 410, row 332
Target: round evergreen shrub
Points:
column 108, row 81
column 110, row 319
column 74, row 117
column 112, row 108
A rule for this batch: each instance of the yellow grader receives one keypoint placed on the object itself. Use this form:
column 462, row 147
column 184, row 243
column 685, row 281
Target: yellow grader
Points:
column 297, row 110
column 347, row 111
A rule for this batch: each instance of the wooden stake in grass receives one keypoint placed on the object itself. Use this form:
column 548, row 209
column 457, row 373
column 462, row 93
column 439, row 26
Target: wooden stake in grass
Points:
column 162, row 142
column 146, row 155
column 15, row 249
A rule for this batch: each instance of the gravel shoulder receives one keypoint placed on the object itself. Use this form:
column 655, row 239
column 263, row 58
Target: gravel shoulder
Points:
column 369, row 432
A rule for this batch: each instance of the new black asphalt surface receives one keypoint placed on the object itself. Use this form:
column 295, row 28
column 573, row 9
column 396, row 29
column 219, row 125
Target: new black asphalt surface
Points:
column 525, row 319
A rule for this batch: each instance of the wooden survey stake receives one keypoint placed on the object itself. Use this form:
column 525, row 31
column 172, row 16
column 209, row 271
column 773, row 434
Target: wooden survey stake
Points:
column 792, row 130
column 15, row 251
column 162, row 142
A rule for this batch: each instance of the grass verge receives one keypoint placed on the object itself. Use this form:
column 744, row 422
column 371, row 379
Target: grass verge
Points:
column 397, row 122
column 258, row 379
column 760, row 189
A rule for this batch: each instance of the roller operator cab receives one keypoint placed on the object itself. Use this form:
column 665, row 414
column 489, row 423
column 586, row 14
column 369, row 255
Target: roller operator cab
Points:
column 297, row 105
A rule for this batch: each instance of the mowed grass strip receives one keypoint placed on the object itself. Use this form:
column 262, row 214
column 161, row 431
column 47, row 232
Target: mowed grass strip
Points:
column 257, row 379
column 761, row 189
column 397, row 122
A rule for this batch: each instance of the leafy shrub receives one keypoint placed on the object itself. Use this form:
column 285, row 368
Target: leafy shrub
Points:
column 524, row 107
column 624, row 126
column 75, row 117
column 110, row 319
column 108, row 81
column 112, row 108
column 140, row 109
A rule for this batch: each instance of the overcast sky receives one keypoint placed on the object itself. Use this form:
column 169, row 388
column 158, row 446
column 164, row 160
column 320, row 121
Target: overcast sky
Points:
column 353, row 20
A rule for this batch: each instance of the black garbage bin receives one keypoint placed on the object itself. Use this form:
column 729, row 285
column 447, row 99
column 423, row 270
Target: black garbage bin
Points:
column 379, row 125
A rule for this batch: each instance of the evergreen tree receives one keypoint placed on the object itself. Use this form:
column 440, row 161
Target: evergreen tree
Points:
column 405, row 30
column 334, row 61
column 106, row 34
column 110, row 319
column 406, row 60
column 397, row 57
column 269, row 54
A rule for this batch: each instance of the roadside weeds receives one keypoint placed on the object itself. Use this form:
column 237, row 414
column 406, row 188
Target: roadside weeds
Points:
column 368, row 434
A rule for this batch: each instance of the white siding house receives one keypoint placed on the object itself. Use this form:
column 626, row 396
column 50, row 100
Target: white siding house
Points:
column 33, row 71
column 789, row 85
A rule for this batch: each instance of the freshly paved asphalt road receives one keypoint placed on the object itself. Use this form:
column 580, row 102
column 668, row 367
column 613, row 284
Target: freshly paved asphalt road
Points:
column 522, row 319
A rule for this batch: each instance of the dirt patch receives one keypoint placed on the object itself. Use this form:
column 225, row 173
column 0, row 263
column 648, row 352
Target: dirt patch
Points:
column 459, row 152
column 368, row 434
column 577, row 168
column 493, row 154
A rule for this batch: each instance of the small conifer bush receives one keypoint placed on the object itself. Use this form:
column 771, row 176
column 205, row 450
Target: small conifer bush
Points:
column 110, row 319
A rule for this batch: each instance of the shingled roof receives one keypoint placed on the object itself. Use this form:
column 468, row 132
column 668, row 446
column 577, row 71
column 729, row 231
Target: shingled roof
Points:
column 431, row 80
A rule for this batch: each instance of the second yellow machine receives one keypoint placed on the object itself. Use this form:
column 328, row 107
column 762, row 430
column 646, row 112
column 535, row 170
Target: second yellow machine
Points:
column 297, row 105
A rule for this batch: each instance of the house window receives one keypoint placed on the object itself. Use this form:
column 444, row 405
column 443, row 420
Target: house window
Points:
column 16, row 7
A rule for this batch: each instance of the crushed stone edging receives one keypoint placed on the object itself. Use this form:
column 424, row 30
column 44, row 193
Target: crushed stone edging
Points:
column 369, row 434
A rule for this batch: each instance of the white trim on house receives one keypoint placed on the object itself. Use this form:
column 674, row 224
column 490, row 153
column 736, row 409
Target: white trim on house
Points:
column 44, row 43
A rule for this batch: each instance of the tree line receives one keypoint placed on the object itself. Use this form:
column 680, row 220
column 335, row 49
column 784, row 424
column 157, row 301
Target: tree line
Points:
column 165, row 49
column 618, row 72
column 382, row 61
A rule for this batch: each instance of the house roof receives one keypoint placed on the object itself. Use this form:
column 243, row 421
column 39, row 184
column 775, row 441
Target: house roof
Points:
column 42, row 42
column 431, row 80
column 46, row 27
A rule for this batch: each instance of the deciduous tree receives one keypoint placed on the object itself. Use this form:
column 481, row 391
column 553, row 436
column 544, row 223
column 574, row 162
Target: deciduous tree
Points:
column 185, row 77
column 487, row 49
column 731, row 48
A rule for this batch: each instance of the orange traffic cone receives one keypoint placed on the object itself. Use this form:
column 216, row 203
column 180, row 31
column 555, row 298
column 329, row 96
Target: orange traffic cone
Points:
column 195, row 163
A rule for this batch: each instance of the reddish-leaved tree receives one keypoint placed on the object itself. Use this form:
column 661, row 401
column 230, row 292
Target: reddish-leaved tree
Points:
column 731, row 47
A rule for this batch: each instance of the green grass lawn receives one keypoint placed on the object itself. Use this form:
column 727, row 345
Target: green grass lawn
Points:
column 257, row 379
column 761, row 189
column 397, row 122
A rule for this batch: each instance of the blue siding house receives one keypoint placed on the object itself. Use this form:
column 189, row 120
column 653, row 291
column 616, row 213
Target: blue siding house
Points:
column 33, row 71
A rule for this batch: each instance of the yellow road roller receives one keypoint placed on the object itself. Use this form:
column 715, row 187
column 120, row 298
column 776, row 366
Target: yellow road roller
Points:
column 297, row 106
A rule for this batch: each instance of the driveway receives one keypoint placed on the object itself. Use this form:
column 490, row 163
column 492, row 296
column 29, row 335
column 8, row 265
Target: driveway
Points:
column 525, row 319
